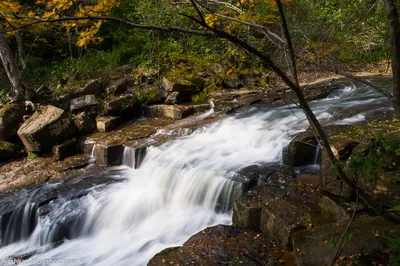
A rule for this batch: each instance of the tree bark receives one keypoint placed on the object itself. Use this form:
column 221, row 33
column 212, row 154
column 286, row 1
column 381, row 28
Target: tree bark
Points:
column 393, row 21
column 11, row 69
column 20, row 48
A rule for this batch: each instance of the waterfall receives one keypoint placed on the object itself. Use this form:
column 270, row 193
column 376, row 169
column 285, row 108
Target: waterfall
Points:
column 133, row 157
column 180, row 188
column 92, row 160
column 317, row 155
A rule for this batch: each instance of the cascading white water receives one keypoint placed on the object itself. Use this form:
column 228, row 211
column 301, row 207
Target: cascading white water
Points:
column 181, row 187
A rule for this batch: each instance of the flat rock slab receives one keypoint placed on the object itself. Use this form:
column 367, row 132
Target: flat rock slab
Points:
column 317, row 246
column 29, row 172
column 84, row 103
column 107, row 123
column 46, row 128
column 218, row 245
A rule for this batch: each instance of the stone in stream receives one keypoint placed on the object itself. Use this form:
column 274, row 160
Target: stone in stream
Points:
column 46, row 128
column 107, row 123
column 87, row 103
column 10, row 118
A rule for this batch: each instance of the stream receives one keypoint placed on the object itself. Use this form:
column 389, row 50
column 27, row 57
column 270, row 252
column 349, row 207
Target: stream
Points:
column 179, row 188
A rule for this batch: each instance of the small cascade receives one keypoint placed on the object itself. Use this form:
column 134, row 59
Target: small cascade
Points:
column 317, row 158
column 92, row 160
column 133, row 157
column 18, row 224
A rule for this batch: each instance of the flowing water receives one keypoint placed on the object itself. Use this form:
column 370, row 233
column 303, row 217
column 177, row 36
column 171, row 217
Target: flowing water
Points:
column 179, row 188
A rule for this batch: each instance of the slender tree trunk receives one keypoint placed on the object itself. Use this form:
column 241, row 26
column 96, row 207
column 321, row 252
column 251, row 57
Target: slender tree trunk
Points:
column 11, row 69
column 20, row 48
column 289, row 45
column 393, row 21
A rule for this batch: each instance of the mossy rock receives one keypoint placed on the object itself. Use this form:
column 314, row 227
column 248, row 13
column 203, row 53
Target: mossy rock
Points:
column 7, row 150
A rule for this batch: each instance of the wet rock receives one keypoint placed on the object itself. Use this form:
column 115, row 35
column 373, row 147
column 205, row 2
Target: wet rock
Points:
column 46, row 128
column 169, row 111
column 184, row 87
column 123, row 105
column 88, row 103
column 85, row 123
column 365, row 234
column 65, row 149
column 10, row 118
column 7, row 150
column 108, row 155
column 172, row 98
column 302, row 150
column 218, row 245
column 247, row 211
column 107, row 123
column 120, row 86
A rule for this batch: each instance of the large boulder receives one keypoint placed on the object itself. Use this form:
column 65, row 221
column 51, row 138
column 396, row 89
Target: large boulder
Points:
column 125, row 104
column 11, row 116
column 88, row 103
column 175, row 112
column 46, row 128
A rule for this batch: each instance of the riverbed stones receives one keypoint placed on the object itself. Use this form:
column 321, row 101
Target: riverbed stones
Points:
column 88, row 103
column 10, row 118
column 170, row 111
column 46, row 127
column 107, row 123
column 316, row 246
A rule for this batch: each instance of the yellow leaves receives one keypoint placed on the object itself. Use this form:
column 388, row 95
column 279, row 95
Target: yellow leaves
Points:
column 9, row 7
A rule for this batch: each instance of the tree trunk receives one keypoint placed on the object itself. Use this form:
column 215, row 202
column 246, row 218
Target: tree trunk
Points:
column 20, row 47
column 393, row 21
column 11, row 69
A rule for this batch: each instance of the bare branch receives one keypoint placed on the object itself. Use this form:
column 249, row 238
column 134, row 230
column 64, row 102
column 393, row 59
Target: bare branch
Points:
column 106, row 18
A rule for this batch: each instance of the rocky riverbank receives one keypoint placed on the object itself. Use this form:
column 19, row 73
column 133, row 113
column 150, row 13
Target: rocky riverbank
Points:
column 288, row 210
